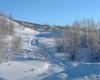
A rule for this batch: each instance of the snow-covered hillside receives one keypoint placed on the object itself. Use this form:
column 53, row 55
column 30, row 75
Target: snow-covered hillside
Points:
column 38, row 59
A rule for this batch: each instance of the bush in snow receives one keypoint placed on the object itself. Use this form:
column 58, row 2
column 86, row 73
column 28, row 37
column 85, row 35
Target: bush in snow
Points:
column 84, row 34
column 7, row 37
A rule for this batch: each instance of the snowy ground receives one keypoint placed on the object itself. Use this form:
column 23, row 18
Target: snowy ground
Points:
column 38, row 70
column 22, row 70
column 27, row 70
column 55, row 67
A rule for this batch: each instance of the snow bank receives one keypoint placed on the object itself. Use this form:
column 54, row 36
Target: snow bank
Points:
column 26, row 70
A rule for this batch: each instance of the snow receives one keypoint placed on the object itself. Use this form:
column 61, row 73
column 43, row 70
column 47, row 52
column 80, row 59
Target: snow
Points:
column 80, row 70
column 64, row 70
column 28, row 70
column 54, row 67
column 17, row 70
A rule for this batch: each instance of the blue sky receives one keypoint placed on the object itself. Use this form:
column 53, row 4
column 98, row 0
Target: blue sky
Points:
column 59, row 12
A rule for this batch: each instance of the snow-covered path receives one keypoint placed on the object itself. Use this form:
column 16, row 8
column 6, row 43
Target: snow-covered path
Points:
column 25, row 70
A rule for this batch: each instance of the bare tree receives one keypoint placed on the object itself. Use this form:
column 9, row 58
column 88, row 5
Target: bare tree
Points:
column 2, row 36
column 91, row 36
column 69, row 41
column 16, row 45
column 74, row 41
column 92, row 44
column 6, row 32
column 2, row 52
column 59, row 43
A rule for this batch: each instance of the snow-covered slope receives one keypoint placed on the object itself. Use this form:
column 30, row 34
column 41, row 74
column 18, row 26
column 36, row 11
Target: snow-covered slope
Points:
column 41, row 62
column 18, row 70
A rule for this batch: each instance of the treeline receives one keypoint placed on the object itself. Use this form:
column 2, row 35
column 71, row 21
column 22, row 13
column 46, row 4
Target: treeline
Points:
column 83, row 34
column 9, row 42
